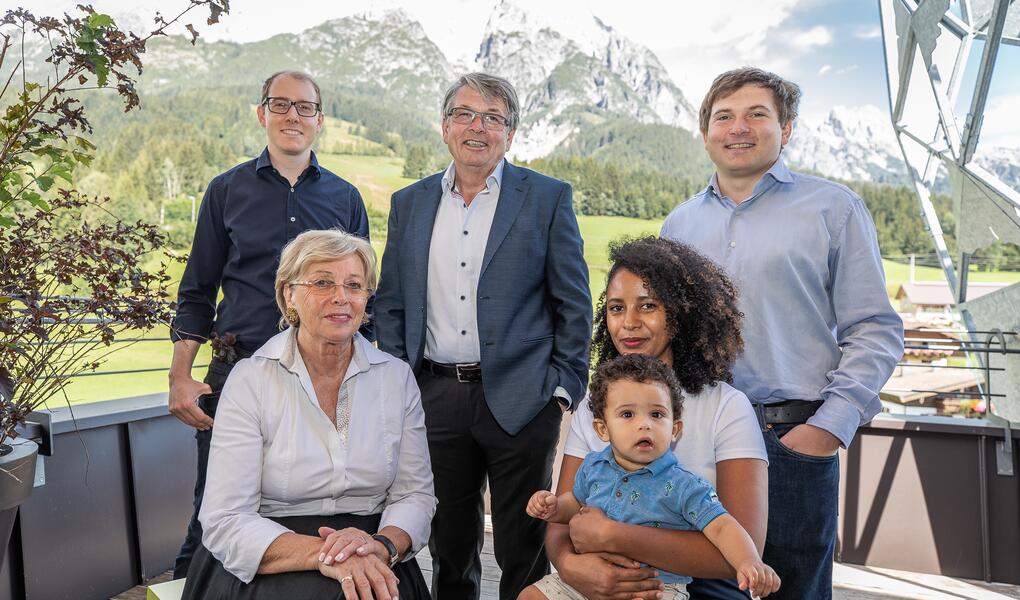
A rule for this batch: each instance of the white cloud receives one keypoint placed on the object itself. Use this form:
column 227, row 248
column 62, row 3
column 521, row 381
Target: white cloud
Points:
column 812, row 38
column 1000, row 126
column 868, row 32
column 697, row 41
column 825, row 69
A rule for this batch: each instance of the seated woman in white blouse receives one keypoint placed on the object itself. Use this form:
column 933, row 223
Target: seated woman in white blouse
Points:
column 319, row 444
column 663, row 299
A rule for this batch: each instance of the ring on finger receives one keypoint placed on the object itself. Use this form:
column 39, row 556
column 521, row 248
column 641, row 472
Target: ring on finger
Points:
column 346, row 578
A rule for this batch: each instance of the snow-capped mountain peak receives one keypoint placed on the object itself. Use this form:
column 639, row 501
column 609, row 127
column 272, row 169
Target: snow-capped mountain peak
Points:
column 848, row 143
column 563, row 65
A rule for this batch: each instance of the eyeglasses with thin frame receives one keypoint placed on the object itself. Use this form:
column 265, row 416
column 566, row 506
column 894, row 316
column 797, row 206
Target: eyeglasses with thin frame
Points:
column 325, row 287
column 281, row 106
column 466, row 116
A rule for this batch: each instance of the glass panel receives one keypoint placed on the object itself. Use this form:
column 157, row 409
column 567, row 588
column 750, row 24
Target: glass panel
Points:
column 979, row 11
column 920, row 112
column 998, row 148
column 969, row 77
column 954, row 7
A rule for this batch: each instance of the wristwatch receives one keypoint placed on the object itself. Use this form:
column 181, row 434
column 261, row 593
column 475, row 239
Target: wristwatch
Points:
column 390, row 547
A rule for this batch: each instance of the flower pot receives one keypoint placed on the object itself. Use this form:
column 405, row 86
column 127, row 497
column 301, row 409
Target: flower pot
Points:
column 17, row 477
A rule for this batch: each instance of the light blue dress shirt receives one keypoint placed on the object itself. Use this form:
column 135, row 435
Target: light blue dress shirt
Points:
column 661, row 494
column 817, row 320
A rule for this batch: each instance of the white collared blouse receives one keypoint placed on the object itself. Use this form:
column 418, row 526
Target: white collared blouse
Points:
column 275, row 453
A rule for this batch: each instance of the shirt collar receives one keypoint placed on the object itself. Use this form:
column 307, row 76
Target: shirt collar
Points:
column 264, row 162
column 283, row 348
column 493, row 181
column 777, row 172
column 657, row 466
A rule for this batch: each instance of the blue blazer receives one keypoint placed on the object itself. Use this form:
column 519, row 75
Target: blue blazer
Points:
column 534, row 304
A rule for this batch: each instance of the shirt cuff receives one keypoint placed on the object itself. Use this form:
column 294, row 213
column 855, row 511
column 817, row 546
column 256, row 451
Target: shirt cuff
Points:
column 561, row 394
column 409, row 519
column 185, row 328
column 839, row 417
column 249, row 544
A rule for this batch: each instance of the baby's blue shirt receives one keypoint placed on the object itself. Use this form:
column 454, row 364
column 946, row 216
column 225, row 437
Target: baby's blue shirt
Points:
column 662, row 494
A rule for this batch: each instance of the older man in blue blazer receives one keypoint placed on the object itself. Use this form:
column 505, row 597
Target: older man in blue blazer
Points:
column 484, row 291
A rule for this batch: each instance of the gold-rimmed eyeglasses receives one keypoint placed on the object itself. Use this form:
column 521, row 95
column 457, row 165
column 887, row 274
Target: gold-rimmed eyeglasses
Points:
column 466, row 116
column 325, row 287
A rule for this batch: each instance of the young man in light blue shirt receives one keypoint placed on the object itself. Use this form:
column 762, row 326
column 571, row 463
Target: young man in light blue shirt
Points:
column 820, row 336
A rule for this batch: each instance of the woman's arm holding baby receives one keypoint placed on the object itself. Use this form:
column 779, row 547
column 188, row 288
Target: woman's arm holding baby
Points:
column 742, row 485
column 599, row 575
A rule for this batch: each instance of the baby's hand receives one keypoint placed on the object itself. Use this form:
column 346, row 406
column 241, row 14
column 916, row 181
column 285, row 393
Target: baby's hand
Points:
column 758, row 577
column 542, row 504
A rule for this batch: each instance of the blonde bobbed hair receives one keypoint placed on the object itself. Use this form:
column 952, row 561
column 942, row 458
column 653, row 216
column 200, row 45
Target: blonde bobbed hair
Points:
column 319, row 246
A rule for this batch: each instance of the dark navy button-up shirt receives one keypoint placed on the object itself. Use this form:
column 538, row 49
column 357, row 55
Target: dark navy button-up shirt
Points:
column 248, row 215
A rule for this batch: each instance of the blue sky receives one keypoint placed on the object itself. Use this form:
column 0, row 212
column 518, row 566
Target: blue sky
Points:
column 832, row 48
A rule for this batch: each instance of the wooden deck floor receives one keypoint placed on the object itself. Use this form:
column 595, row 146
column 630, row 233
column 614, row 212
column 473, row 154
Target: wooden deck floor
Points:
column 850, row 583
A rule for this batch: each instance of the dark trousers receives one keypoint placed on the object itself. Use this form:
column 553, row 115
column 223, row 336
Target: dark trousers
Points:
column 208, row 580
column 716, row 589
column 803, row 504
column 216, row 377
column 467, row 446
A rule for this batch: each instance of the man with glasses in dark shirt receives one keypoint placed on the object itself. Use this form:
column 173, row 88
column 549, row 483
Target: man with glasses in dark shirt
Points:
column 248, row 214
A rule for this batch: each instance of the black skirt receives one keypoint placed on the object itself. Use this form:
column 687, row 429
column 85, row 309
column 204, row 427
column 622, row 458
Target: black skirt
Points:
column 208, row 580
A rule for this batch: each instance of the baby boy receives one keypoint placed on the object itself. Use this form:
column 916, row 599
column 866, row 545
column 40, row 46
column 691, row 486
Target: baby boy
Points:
column 637, row 401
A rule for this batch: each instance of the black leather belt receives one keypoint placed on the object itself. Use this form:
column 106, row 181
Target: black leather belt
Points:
column 786, row 412
column 464, row 373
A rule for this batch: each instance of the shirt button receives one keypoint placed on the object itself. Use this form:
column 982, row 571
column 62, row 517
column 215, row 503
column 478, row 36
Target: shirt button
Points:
column 292, row 189
column 618, row 494
column 463, row 297
column 465, row 232
column 733, row 244
column 462, row 332
column 463, row 264
column 292, row 219
column 626, row 479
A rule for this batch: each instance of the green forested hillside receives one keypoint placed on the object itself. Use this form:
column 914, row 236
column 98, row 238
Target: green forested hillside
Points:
column 641, row 146
column 155, row 159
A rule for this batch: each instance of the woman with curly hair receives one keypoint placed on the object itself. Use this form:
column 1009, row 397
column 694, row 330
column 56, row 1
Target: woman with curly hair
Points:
column 664, row 299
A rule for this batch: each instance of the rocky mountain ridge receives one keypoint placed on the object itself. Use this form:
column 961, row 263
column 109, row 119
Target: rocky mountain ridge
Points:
column 571, row 76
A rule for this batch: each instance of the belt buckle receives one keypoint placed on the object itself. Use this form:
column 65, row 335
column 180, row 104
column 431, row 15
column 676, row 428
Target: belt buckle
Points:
column 459, row 378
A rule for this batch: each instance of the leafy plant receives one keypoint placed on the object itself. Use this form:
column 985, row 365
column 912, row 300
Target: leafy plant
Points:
column 42, row 128
column 65, row 293
column 68, row 286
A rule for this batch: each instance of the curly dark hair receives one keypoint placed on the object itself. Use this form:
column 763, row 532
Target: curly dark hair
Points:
column 700, row 303
column 639, row 369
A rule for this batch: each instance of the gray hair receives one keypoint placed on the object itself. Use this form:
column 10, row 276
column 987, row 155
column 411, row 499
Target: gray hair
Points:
column 318, row 246
column 489, row 86
column 299, row 75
